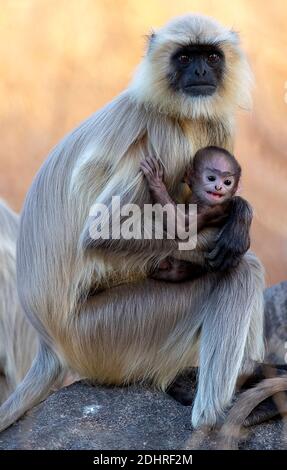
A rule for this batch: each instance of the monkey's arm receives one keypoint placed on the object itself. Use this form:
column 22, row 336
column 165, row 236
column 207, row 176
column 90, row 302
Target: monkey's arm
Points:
column 153, row 172
column 105, row 227
column 211, row 217
column 233, row 240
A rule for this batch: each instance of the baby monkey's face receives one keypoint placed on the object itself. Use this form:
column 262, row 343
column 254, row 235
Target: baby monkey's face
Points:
column 215, row 181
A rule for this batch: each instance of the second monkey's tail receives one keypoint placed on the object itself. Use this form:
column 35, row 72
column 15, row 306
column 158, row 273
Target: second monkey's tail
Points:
column 36, row 385
column 245, row 404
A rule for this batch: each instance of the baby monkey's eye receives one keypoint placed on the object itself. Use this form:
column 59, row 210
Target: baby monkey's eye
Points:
column 184, row 59
column 211, row 178
column 227, row 182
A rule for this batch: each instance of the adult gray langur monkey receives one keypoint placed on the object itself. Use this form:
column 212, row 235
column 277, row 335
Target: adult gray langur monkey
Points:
column 90, row 300
column 17, row 336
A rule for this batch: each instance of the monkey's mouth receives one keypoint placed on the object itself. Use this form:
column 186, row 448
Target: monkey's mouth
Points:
column 199, row 89
column 213, row 195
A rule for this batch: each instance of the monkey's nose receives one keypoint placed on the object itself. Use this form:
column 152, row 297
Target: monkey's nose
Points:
column 200, row 72
column 218, row 188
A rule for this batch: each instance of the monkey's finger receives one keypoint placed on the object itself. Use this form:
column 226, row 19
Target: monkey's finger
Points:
column 146, row 169
column 148, row 177
column 214, row 253
column 231, row 261
column 152, row 163
column 225, row 260
column 144, row 166
column 217, row 262
column 155, row 164
column 158, row 167
column 151, row 158
column 144, row 163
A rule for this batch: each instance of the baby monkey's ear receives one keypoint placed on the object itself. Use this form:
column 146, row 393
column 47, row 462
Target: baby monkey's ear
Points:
column 239, row 187
column 187, row 177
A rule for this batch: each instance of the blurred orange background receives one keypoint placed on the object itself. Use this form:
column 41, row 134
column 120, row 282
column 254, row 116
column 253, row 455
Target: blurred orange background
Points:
column 60, row 60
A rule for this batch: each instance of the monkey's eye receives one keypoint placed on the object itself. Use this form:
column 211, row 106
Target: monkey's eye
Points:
column 184, row 59
column 213, row 58
column 211, row 178
column 227, row 182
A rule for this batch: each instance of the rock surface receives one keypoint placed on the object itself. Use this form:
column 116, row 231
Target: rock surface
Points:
column 276, row 323
column 85, row 417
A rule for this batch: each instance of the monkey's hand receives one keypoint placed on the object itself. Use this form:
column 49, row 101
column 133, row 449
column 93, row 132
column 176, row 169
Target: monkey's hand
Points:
column 153, row 172
column 211, row 217
column 233, row 239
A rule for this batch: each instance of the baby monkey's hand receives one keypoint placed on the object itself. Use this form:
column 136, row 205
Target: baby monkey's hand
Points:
column 153, row 171
column 212, row 216
column 215, row 212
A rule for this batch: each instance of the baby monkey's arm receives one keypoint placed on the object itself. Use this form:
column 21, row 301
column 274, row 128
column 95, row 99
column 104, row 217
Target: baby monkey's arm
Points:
column 153, row 171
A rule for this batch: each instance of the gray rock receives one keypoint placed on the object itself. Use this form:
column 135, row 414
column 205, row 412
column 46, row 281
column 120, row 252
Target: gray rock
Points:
column 276, row 323
column 85, row 417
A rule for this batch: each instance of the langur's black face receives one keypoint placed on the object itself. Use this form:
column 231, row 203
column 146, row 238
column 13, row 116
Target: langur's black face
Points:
column 197, row 70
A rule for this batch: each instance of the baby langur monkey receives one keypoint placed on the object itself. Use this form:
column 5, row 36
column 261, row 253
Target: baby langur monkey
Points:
column 213, row 178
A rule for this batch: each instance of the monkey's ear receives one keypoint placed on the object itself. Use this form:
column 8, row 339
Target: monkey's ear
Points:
column 239, row 187
column 150, row 41
column 235, row 36
column 188, row 175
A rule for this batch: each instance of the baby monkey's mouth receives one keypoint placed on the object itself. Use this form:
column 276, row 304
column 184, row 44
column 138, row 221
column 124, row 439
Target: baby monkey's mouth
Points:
column 214, row 195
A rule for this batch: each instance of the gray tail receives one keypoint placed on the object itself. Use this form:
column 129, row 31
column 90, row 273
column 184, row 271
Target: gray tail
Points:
column 35, row 387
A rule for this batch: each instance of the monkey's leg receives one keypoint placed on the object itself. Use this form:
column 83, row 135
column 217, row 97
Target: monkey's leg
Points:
column 121, row 335
column 5, row 389
column 46, row 369
column 231, row 338
column 125, row 334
